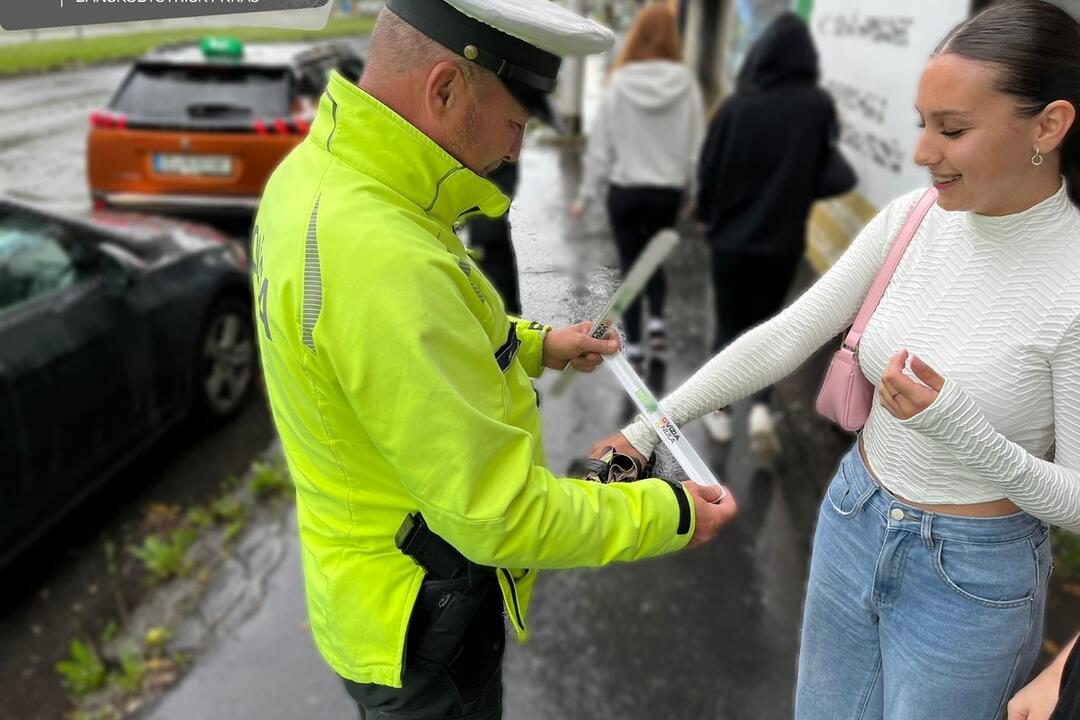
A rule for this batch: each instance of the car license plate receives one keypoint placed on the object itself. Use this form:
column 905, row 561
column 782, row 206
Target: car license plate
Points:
column 207, row 165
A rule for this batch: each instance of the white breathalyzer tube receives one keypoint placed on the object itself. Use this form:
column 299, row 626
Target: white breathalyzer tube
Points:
column 681, row 449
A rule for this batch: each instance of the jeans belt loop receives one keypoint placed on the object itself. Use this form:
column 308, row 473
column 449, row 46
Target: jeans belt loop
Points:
column 868, row 493
column 926, row 530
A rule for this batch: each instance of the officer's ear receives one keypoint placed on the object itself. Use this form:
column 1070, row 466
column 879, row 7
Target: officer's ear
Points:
column 445, row 91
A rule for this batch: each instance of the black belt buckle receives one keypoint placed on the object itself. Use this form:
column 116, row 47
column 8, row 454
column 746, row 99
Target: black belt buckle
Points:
column 406, row 534
column 438, row 557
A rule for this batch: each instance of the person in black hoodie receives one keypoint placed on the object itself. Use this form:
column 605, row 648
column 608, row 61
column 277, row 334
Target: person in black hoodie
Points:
column 760, row 171
column 492, row 244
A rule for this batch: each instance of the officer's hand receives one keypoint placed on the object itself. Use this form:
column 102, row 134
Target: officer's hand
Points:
column 621, row 445
column 574, row 346
column 711, row 515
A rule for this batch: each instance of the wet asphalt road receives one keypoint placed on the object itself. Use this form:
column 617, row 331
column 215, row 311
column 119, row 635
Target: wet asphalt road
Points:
column 43, row 126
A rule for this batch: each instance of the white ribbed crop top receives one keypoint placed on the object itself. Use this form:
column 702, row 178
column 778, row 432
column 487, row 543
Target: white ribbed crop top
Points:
column 992, row 304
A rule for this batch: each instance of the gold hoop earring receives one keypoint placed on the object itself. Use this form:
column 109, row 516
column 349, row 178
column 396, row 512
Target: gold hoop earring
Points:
column 1036, row 159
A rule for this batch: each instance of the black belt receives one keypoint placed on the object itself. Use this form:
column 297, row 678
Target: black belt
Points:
column 439, row 558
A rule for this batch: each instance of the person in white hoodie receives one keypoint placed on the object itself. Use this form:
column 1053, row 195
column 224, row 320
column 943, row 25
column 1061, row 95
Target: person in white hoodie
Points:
column 642, row 153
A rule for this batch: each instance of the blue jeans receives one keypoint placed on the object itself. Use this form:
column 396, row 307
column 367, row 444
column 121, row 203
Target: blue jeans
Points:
column 916, row 615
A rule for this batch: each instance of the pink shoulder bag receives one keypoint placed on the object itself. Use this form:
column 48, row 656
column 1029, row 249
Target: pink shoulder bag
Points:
column 846, row 396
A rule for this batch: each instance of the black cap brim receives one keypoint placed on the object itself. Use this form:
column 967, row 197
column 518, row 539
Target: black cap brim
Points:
column 538, row 105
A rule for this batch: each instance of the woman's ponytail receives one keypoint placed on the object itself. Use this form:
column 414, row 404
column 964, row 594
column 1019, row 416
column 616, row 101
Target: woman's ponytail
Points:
column 1070, row 162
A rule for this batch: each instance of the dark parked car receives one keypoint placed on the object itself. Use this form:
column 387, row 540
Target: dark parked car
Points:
column 113, row 328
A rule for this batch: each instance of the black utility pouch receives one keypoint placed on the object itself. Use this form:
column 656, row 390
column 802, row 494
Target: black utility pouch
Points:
column 441, row 618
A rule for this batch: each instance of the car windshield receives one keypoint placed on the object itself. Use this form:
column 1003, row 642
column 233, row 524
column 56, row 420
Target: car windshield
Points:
column 32, row 258
column 204, row 92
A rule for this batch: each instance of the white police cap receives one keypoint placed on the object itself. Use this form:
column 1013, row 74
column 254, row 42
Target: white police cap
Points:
column 521, row 41
column 541, row 23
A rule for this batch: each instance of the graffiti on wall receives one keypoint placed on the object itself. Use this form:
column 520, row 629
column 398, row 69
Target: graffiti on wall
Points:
column 872, row 54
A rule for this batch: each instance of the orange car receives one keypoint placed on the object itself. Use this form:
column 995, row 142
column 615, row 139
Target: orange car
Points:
column 199, row 127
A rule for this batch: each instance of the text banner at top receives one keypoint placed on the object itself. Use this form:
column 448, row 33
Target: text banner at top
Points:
column 33, row 14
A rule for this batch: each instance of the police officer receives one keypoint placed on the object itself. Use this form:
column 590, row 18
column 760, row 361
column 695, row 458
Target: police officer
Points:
column 400, row 388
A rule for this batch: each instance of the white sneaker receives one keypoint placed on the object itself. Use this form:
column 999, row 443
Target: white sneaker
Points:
column 718, row 424
column 656, row 333
column 763, row 438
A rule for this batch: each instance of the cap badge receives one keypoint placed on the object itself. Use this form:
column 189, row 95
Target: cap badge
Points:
column 471, row 52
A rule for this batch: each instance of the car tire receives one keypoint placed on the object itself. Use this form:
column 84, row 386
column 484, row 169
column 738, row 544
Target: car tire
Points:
column 224, row 367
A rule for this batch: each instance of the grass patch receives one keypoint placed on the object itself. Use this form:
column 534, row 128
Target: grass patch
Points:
column 165, row 558
column 129, row 678
column 269, row 479
column 57, row 54
column 83, row 671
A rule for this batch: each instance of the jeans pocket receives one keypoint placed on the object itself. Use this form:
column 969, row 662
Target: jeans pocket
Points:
column 996, row 575
column 841, row 495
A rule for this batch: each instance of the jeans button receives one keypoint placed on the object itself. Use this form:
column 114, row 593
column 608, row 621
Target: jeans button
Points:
column 897, row 514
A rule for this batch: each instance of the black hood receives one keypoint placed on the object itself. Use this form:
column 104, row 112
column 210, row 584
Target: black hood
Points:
column 783, row 55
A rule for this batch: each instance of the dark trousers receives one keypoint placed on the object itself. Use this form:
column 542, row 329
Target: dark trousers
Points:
column 490, row 238
column 453, row 662
column 748, row 290
column 638, row 213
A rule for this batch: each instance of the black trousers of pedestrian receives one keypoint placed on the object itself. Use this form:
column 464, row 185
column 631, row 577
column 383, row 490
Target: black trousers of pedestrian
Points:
column 748, row 290
column 637, row 213
column 491, row 239
column 452, row 670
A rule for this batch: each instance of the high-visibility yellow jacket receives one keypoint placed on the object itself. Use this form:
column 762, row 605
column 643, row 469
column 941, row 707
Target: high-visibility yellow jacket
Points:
column 397, row 383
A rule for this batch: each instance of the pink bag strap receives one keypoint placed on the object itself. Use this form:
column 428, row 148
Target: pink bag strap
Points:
column 881, row 281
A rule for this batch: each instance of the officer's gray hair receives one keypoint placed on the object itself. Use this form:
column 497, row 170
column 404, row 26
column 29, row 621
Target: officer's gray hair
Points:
column 398, row 47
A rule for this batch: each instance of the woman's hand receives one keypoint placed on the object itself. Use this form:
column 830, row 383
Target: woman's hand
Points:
column 576, row 210
column 902, row 396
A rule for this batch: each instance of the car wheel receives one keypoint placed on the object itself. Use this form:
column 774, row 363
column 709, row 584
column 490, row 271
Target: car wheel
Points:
column 225, row 360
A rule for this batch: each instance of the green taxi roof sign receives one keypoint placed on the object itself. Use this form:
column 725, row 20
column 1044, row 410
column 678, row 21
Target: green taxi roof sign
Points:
column 222, row 47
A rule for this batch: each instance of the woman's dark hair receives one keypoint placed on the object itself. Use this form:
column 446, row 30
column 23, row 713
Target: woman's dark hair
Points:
column 1036, row 48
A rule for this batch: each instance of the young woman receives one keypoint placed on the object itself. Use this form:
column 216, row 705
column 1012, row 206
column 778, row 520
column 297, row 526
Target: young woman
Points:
column 931, row 555
column 642, row 151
